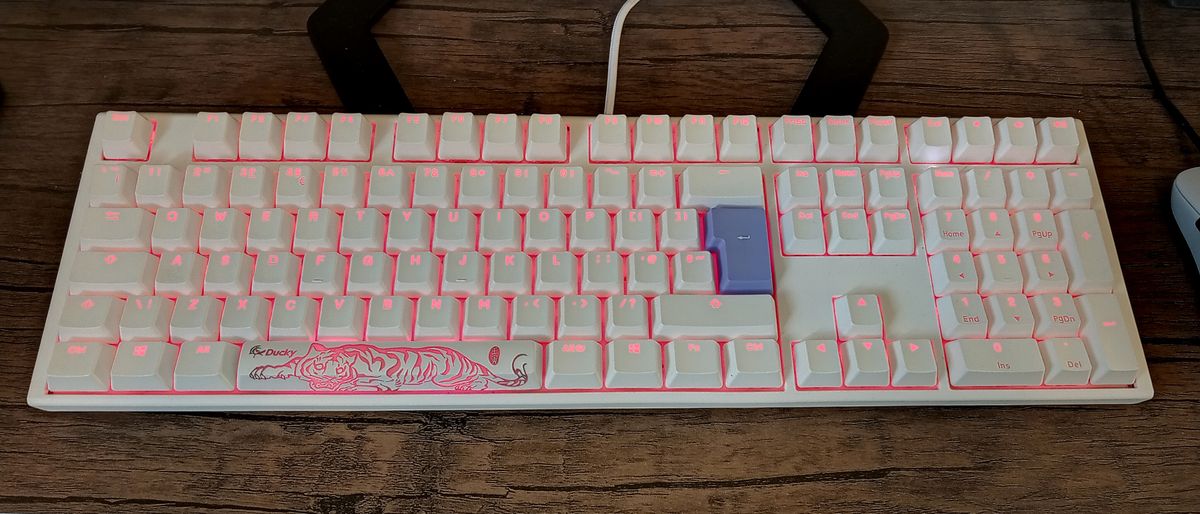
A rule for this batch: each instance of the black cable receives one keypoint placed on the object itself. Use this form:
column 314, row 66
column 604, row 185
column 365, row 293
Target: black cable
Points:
column 1159, row 93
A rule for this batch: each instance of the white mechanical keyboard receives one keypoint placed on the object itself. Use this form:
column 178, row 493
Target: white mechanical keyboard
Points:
column 259, row 261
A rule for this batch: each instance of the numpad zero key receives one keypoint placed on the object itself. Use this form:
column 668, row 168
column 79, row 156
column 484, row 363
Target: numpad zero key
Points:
column 304, row 261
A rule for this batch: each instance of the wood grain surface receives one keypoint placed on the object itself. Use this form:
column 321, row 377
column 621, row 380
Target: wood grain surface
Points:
column 63, row 61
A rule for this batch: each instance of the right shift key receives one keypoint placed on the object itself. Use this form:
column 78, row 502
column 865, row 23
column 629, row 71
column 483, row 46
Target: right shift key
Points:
column 738, row 237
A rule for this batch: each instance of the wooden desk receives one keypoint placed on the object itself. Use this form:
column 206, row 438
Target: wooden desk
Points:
column 63, row 61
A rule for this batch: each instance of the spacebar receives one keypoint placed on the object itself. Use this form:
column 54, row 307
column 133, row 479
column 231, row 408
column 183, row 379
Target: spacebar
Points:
column 719, row 317
column 383, row 367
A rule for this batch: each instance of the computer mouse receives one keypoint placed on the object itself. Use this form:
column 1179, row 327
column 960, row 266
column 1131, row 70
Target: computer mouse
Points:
column 1185, row 203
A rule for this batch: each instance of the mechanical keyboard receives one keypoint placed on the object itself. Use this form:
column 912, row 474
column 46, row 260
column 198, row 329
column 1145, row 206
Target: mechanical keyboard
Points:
column 303, row 261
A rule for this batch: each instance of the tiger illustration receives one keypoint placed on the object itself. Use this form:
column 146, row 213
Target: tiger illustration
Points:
column 364, row 367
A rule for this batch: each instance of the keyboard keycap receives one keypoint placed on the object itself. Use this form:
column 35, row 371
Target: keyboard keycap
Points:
column 609, row 139
column 144, row 366
column 180, row 274
column 878, row 140
column 994, row 362
column 125, row 136
column 692, row 273
column 939, row 188
column 991, row 230
column 1072, row 189
column 341, row 318
column 316, row 231
column 653, row 139
column 635, row 231
column 114, row 185
column 1028, row 189
column 1016, row 141
column 362, row 231
column 611, row 188
column 415, row 138
column 228, row 274
column 454, row 367
column 464, row 274
column 697, row 139
column 91, row 318
column 116, row 229
column 739, row 139
column 579, row 317
column 454, row 230
column 299, row 187
column 1059, row 140
column 1055, row 316
column 478, row 188
column 886, row 189
column 1067, row 362
column 275, row 274
column 146, row 318
column 693, row 365
column 158, row 186
column 892, row 233
column 858, row 316
column 708, row 187
column 245, row 318
column 119, row 273
column 722, row 317
column 370, row 274
column 633, row 363
column 323, row 273
column 80, row 367
column 803, row 232
column 344, row 188
column 438, row 318
column 974, row 140
column 485, row 317
column 205, row 187
column 835, row 139
column 252, row 187
column 843, row 189
column 196, row 318
column 350, row 138
column 1084, row 252
column 999, row 272
column 510, row 274
column 648, row 274
column 1044, row 273
column 271, row 230
column 590, row 231
column 1111, row 340
column 555, row 274
column 798, row 188
column 499, row 231
column 603, row 274
column 388, row 188
column 817, row 364
column 574, row 365
column 306, row 136
column 433, row 188
column 1009, row 316
column 260, row 137
column 929, row 140
column 625, row 317
column 408, row 230
column 655, row 188
column 912, row 363
column 568, row 188
column 546, row 140
column 737, row 236
column 946, row 230
column 792, row 139
column 206, row 366
column 752, row 363
column 865, row 363
column 1035, row 230
column 532, row 318
column 984, row 188
column 847, row 232
column 962, row 316
column 458, row 138
column 953, row 272
column 524, row 188
column 502, row 138
column 389, row 317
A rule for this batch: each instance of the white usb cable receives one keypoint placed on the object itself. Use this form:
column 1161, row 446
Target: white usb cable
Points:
column 614, row 48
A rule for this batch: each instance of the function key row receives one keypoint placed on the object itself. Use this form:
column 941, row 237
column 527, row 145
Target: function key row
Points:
column 341, row 187
column 659, row 138
column 930, row 140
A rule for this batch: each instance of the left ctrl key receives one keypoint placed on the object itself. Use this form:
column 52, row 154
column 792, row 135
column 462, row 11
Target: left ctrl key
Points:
column 78, row 367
